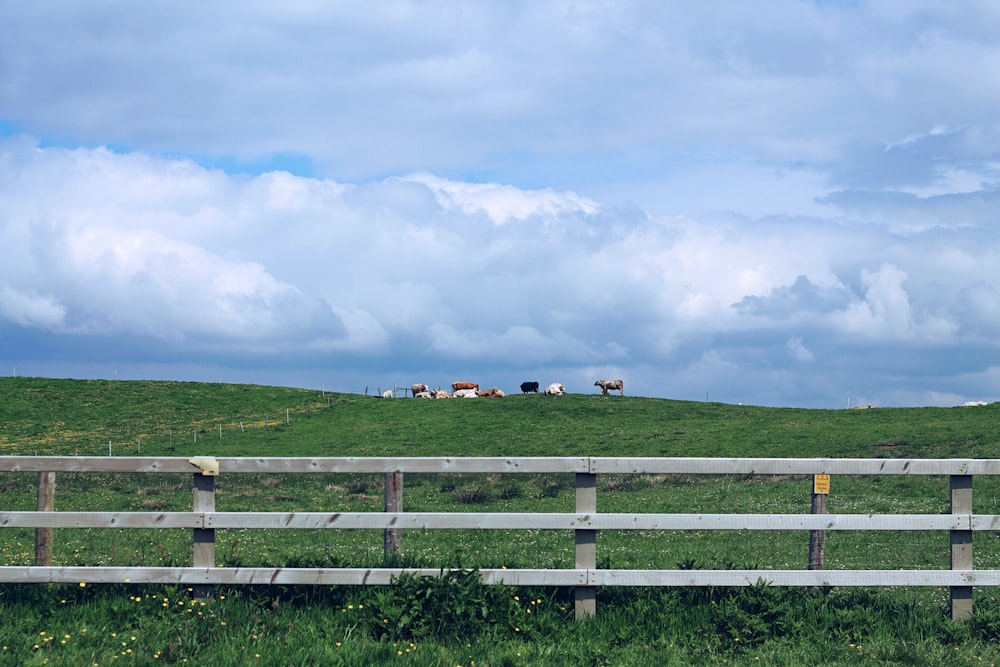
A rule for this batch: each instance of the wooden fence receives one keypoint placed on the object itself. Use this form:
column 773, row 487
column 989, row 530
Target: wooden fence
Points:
column 584, row 522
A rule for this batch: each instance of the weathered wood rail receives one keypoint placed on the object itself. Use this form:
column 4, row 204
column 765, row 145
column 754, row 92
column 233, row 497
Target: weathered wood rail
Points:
column 584, row 522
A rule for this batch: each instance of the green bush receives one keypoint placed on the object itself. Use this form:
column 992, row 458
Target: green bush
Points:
column 454, row 605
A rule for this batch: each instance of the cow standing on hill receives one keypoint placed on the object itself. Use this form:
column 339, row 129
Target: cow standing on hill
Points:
column 418, row 388
column 529, row 387
column 610, row 385
column 455, row 386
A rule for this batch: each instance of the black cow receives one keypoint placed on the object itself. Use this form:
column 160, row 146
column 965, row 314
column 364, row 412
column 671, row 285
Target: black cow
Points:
column 529, row 387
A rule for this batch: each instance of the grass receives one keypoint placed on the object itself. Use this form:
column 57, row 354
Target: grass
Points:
column 428, row 622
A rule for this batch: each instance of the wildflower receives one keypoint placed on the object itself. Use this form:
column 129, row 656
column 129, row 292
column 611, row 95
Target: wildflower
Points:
column 83, row 584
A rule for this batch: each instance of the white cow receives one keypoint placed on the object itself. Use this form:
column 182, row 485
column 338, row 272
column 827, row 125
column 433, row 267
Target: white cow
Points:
column 610, row 385
column 464, row 393
column 422, row 394
column 387, row 393
column 555, row 389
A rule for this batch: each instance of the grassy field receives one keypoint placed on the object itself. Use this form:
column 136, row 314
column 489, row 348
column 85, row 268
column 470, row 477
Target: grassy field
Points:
column 455, row 622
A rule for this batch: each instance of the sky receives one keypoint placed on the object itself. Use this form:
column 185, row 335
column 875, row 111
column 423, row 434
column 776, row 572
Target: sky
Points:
column 780, row 203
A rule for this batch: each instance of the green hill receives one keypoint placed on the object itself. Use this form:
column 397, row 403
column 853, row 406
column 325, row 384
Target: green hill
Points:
column 454, row 620
column 47, row 416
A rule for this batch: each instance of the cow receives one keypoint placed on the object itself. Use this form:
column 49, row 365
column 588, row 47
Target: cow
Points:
column 610, row 385
column 465, row 393
column 417, row 388
column 529, row 387
column 440, row 393
column 387, row 393
column 422, row 394
column 455, row 386
column 555, row 389
column 491, row 393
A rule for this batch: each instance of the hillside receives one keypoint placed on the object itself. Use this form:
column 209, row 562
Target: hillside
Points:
column 47, row 416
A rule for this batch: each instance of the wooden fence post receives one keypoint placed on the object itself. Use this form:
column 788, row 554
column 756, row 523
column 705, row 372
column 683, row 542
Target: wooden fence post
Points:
column 204, row 538
column 817, row 538
column 393, row 537
column 961, row 546
column 586, row 544
column 46, row 503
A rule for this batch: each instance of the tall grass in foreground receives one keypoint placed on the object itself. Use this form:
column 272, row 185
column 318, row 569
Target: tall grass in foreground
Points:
column 456, row 621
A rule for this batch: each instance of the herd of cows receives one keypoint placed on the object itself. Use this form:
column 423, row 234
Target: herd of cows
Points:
column 472, row 390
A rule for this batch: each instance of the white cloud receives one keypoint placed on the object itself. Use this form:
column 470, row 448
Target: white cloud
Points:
column 696, row 200
column 798, row 350
column 502, row 202
column 885, row 312
column 30, row 309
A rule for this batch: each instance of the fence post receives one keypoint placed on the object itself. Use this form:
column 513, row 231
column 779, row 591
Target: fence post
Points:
column 586, row 544
column 393, row 537
column 817, row 538
column 204, row 538
column 961, row 546
column 46, row 503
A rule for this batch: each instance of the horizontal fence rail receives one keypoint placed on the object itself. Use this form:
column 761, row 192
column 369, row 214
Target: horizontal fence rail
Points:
column 530, row 464
column 960, row 522
column 496, row 521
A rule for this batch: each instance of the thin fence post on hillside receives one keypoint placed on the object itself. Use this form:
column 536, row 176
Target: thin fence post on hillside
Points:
column 961, row 546
column 204, row 538
column 817, row 538
column 586, row 544
column 46, row 503
column 393, row 537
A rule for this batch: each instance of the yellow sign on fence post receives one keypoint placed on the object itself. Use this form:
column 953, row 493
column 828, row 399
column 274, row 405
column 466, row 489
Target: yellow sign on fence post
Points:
column 821, row 484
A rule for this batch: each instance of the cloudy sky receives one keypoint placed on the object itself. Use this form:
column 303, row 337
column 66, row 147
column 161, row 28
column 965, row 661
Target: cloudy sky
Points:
column 775, row 203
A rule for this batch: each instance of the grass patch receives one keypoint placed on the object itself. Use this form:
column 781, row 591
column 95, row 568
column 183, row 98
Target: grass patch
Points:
column 452, row 621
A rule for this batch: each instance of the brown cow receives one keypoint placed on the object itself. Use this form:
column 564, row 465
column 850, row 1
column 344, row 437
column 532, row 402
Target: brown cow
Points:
column 455, row 386
column 417, row 388
column 610, row 385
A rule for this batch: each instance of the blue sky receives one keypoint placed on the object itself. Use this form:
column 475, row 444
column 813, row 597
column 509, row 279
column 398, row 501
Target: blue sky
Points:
column 775, row 203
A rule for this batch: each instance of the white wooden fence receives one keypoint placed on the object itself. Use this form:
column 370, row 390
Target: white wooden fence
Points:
column 585, row 577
